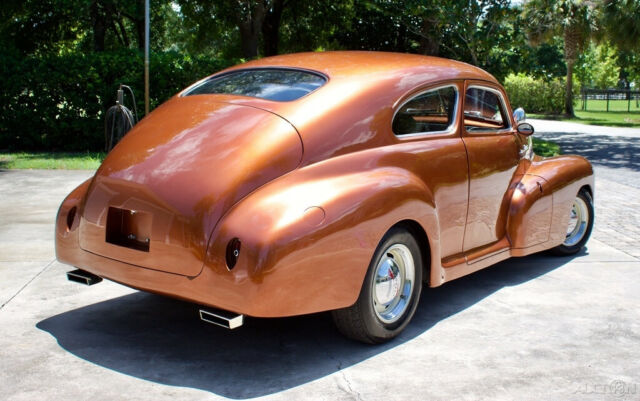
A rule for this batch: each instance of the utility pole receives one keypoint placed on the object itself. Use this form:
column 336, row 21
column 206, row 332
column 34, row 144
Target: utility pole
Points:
column 146, row 57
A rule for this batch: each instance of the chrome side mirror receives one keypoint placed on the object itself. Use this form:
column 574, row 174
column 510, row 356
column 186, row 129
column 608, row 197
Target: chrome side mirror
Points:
column 525, row 129
column 519, row 115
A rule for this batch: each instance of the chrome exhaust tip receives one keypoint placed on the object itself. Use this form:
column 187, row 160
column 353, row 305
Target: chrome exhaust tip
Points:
column 222, row 318
column 83, row 277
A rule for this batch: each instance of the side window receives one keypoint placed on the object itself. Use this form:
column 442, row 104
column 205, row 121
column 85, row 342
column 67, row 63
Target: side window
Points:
column 484, row 110
column 431, row 111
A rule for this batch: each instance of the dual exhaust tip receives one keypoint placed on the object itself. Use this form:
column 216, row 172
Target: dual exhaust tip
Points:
column 228, row 320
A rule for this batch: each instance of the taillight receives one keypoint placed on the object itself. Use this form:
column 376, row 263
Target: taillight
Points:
column 70, row 217
column 233, row 252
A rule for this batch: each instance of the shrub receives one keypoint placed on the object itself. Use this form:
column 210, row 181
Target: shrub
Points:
column 58, row 102
column 535, row 95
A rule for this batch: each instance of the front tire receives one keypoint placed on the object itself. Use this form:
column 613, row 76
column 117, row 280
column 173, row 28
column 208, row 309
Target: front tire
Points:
column 580, row 225
column 390, row 292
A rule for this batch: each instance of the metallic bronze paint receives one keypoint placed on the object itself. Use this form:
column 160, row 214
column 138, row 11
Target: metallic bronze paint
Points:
column 310, row 187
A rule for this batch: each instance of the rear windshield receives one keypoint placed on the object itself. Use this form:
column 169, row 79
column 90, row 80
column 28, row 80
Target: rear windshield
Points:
column 268, row 83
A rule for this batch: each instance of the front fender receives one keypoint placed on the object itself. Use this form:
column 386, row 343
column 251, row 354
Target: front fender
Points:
column 558, row 177
column 308, row 238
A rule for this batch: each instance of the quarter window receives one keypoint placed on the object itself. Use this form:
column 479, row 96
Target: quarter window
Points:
column 429, row 112
column 484, row 110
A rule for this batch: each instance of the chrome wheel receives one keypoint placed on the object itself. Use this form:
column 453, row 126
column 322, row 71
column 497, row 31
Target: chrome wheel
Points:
column 390, row 291
column 578, row 222
column 393, row 283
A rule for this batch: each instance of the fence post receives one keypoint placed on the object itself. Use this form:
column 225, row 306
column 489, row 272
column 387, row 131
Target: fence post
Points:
column 628, row 100
column 607, row 100
column 586, row 97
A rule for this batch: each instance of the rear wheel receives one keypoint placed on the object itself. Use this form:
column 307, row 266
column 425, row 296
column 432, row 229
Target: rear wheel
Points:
column 389, row 294
column 580, row 225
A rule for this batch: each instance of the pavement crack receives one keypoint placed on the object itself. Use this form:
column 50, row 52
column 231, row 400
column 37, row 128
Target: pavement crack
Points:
column 27, row 283
column 349, row 390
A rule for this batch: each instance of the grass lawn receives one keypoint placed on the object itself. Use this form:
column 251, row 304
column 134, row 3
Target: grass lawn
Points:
column 545, row 148
column 51, row 160
column 614, row 105
column 596, row 114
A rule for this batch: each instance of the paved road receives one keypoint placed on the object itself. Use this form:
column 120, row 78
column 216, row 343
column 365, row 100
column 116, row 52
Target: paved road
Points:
column 615, row 155
column 534, row 328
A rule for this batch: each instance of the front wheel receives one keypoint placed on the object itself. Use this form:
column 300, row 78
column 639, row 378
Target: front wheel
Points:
column 389, row 294
column 580, row 225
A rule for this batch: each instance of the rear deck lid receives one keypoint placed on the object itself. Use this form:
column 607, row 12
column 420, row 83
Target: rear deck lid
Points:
column 158, row 195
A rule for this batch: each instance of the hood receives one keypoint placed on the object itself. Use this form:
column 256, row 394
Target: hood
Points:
column 160, row 192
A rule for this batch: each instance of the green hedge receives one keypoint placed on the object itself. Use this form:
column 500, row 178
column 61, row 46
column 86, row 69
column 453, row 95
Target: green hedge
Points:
column 535, row 95
column 58, row 102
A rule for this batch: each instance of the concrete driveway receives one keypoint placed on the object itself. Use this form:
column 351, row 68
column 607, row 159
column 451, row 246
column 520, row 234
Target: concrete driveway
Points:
column 534, row 328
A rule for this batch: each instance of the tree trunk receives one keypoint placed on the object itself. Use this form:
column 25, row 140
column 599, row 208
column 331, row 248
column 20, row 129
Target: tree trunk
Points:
column 568, row 98
column 249, row 41
column 139, row 23
column 571, row 38
column 271, row 28
column 123, row 31
column 99, row 26
column 250, row 25
column 429, row 42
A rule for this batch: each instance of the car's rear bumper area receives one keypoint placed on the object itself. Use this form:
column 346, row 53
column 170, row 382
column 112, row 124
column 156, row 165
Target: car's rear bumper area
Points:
column 203, row 289
column 257, row 286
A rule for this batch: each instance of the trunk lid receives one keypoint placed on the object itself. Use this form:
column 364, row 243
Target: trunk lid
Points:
column 160, row 192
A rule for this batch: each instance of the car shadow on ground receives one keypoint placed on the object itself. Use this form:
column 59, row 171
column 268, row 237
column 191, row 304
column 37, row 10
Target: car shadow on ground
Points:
column 162, row 340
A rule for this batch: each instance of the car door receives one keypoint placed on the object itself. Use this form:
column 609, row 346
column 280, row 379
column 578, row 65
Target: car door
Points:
column 427, row 131
column 493, row 153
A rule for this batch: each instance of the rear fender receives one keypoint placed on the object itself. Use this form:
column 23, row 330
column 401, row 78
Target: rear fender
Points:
column 308, row 238
column 67, row 226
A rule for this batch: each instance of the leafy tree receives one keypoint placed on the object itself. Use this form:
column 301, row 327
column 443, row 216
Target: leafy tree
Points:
column 315, row 25
column 621, row 19
column 50, row 26
column 597, row 66
column 253, row 20
column 573, row 20
column 30, row 26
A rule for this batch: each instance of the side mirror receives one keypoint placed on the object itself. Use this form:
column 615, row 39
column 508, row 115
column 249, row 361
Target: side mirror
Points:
column 519, row 115
column 525, row 129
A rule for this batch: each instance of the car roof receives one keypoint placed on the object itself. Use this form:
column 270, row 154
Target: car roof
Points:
column 354, row 109
column 345, row 64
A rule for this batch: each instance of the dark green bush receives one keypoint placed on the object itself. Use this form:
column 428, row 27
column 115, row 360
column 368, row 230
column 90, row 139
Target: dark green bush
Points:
column 58, row 102
column 535, row 95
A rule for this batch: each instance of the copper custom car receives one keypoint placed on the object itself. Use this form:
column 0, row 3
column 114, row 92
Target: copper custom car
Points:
column 338, row 181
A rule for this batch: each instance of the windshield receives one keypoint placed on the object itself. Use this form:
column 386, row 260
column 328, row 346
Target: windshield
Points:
column 268, row 83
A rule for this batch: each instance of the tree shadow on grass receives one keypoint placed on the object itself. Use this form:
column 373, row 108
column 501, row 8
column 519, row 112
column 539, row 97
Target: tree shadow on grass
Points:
column 161, row 340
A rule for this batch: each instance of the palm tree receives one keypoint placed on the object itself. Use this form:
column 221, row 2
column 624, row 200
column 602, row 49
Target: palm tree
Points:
column 573, row 20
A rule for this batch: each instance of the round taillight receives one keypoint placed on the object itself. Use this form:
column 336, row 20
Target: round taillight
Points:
column 70, row 217
column 233, row 252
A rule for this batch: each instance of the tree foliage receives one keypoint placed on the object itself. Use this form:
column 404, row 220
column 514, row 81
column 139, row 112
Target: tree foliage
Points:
column 62, row 60
column 597, row 67
column 575, row 21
